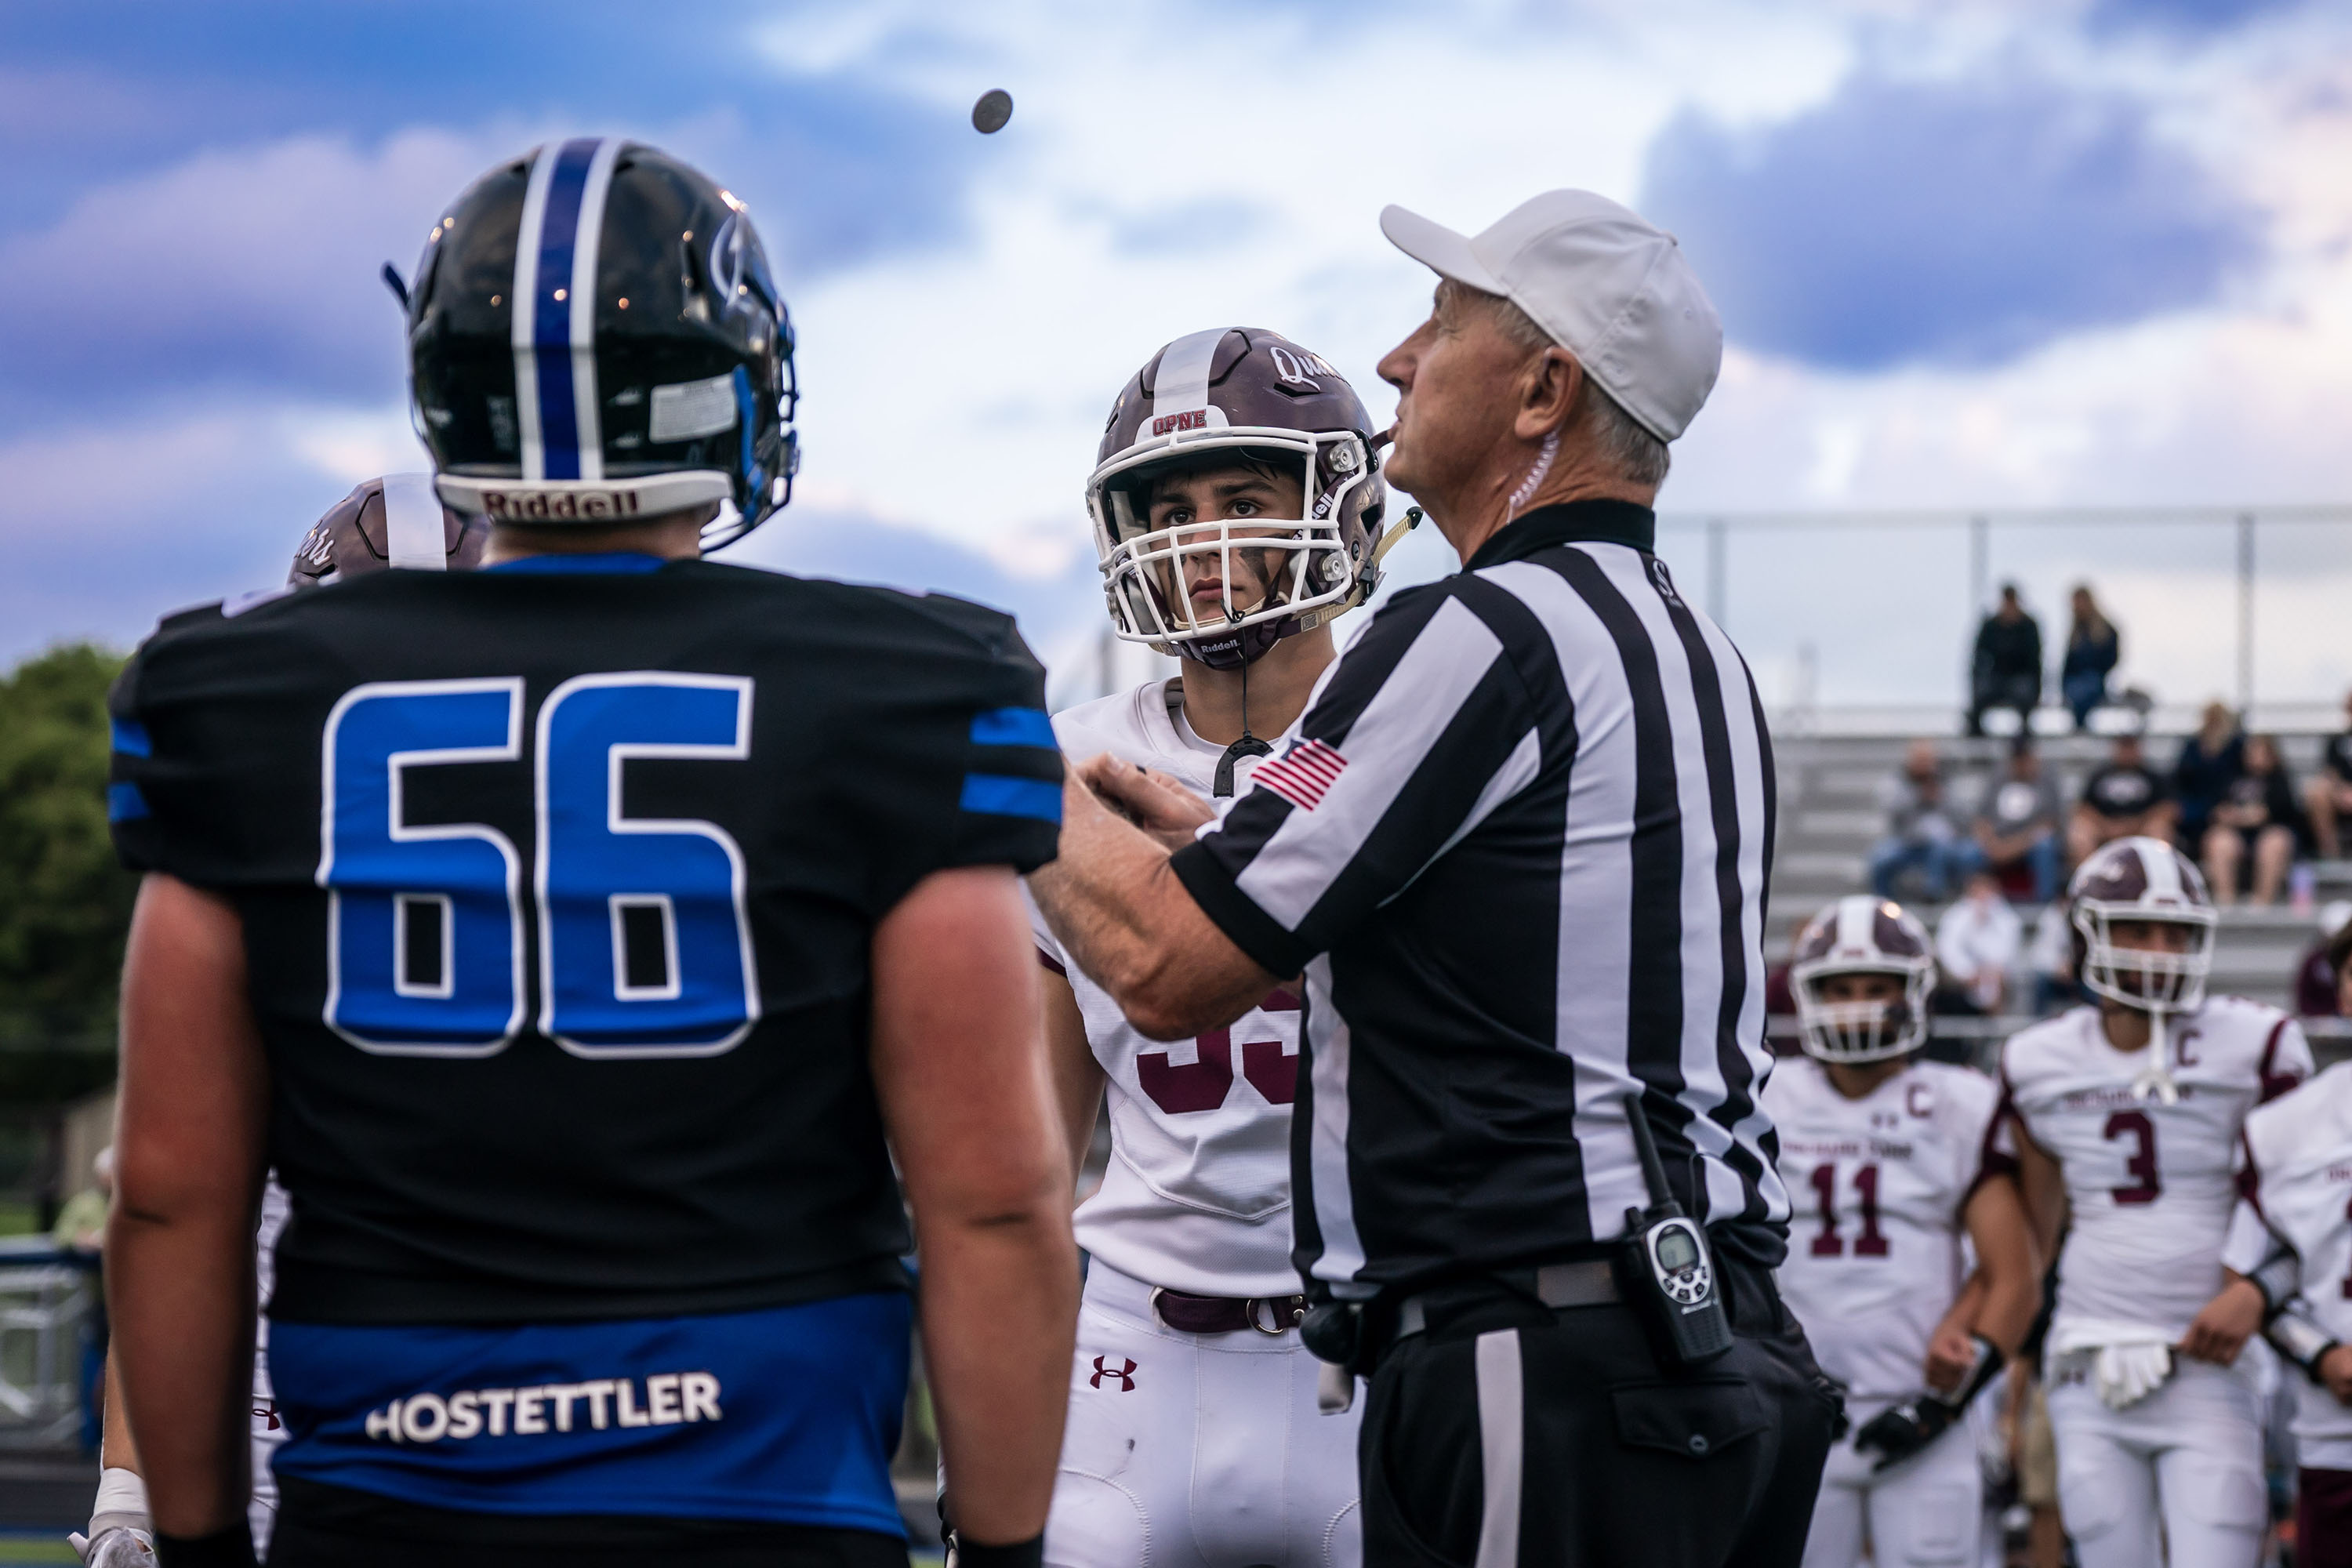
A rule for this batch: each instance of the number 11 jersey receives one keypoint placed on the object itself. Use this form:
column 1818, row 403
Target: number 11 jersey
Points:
column 2149, row 1186
column 1876, row 1187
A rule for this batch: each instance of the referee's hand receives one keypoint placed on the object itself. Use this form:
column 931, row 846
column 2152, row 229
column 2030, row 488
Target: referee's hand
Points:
column 1153, row 801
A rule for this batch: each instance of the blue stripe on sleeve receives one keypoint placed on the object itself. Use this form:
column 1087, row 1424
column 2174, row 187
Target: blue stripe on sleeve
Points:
column 125, row 803
column 996, row 795
column 1014, row 727
column 131, row 737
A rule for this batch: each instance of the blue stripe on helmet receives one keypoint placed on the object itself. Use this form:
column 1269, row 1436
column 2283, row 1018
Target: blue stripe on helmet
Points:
column 551, row 324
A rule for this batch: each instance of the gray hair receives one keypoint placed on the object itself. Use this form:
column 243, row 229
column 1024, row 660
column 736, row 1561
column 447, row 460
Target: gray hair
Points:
column 1637, row 455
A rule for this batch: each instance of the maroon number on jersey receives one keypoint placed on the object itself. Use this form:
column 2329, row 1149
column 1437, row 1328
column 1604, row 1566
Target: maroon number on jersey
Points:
column 2142, row 1162
column 1203, row 1084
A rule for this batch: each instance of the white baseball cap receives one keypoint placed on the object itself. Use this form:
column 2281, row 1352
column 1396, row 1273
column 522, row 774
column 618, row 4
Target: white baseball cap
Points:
column 1610, row 288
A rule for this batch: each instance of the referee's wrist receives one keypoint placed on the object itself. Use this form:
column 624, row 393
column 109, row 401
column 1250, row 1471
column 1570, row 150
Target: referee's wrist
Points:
column 1029, row 1554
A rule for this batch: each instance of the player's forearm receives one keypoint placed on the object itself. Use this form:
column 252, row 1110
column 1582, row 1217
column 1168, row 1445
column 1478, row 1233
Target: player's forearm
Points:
column 183, row 1344
column 116, row 1451
column 2008, row 1281
column 1000, row 1302
column 188, row 1163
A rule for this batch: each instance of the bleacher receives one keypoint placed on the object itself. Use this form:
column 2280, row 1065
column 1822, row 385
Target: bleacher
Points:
column 1830, row 816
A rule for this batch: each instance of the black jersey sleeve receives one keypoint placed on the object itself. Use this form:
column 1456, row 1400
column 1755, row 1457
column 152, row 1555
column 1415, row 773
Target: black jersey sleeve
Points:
column 200, row 785
column 955, row 759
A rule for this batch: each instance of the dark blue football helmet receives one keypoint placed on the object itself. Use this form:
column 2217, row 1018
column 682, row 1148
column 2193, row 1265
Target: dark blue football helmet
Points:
column 594, row 336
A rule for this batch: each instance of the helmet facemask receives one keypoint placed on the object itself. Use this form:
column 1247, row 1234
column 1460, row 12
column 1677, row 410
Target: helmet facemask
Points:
column 1302, row 563
column 2145, row 979
column 1855, row 1033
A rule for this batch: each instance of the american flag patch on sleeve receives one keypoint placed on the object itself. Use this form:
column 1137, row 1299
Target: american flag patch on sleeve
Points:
column 1302, row 775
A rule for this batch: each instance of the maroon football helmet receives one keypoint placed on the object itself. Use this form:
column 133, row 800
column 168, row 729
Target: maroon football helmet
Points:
column 1862, row 935
column 1236, row 394
column 2141, row 881
column 396, row 521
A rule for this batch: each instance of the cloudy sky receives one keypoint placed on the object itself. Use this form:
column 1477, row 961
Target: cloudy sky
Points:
column 1976, row 254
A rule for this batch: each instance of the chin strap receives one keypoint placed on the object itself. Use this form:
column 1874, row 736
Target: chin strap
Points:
column 1395, row 535
column 2156, row 1078
column 1249, row 746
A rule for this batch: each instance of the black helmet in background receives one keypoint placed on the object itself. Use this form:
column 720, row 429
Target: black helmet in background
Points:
column 594, row 336
column 396, row 521
column 1225, row 396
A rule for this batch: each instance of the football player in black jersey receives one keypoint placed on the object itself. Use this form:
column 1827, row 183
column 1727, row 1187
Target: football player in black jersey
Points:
column 580, row 938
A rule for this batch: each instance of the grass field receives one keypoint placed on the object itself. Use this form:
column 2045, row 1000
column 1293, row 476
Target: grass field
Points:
column 29, row 1546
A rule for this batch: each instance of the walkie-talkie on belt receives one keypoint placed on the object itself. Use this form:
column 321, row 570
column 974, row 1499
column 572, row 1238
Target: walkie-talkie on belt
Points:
column 1665, row 1268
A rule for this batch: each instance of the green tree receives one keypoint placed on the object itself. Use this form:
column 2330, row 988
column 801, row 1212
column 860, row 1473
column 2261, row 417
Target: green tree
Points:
column 65, row 905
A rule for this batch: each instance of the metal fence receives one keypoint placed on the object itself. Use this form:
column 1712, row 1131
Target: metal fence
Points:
column 48, row 1305
column 2265, row 548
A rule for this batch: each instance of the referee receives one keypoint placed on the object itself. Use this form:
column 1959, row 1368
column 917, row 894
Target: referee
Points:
column 1517, row 845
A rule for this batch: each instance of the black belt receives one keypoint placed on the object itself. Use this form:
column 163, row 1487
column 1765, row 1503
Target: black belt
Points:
column 1191, row 1314
column 1590, row 1282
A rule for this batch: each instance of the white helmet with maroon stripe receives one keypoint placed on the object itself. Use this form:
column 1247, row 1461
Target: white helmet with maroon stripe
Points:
column 2143, row 880
column 1862, row 935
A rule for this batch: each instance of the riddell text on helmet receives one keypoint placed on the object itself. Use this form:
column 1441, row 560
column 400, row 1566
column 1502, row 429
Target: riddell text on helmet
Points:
column 531, row 506
column 670, row 1399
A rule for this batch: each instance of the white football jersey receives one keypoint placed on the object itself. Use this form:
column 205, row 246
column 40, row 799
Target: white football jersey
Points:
column 1197, row 1195
column 1875, row 1190
column 2149, row 1186
column 2298, row 1153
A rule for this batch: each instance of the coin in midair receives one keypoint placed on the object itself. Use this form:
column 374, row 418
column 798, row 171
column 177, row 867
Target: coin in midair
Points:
column 994, row 108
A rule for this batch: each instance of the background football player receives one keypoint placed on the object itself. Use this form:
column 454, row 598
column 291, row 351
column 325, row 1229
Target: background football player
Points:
column 2293, row 1243
column 2132, row 1111
column 394, row 519
column 594, row 1237
column 1236, row 511
column 1892, row 1159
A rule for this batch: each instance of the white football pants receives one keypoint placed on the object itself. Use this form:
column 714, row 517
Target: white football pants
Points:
column 1197, row 1450
column 2190, row 1456
column 1929, row 1510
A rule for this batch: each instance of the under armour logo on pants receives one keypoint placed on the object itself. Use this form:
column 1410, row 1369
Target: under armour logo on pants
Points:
column 1124, row 1372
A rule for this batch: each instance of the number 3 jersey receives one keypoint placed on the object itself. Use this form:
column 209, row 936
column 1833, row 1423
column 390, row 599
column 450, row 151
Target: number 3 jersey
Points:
column 558, row 883
column 1880, row 1184
column 2149, row 1185
column 1197, row 1193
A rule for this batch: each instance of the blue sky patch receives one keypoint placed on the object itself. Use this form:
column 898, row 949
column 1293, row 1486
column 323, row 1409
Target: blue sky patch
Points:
column 1959, row 223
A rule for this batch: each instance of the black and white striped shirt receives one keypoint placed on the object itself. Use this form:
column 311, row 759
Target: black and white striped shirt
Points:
column 1518, row 847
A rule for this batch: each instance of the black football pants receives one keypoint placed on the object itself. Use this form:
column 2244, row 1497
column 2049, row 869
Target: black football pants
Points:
column 1512, row 1433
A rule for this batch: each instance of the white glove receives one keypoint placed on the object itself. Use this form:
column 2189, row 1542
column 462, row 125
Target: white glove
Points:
column 2133, row 1359
column 117, row 1546
column 2125, row 1375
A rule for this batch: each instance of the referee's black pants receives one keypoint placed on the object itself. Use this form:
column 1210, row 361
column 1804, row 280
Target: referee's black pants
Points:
column 1512, row 1433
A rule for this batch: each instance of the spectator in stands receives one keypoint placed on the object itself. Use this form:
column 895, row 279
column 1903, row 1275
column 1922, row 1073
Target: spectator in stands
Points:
column 2256, row 822
column 1921, row 833
column 2093, row 646
column 2123, row 798
column 2050, row 958
column 2208, row 762
column 2318, row 979
column 2007, row 669
column 2330, row 794
column 1976, row 942
column 2018, row 825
